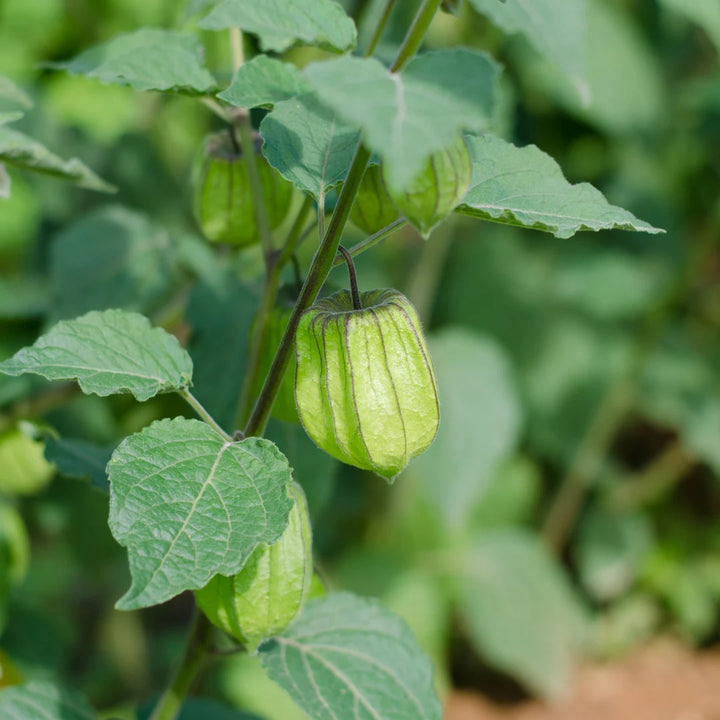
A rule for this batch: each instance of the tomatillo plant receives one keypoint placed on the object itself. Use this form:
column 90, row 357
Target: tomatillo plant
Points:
column 209, row 504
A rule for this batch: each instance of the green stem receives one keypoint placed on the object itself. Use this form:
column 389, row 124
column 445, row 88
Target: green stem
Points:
column 665, row 471
column 245, row 129
column 198, row 642
column 390, row 4
column 321, row 266
column 196, row 405
column 325, row 256
column 372, row 240
column 416, row 33
column 357, row 305
column 262, row 322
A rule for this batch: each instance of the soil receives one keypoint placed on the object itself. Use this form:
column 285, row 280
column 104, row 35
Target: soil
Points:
column 662, row 682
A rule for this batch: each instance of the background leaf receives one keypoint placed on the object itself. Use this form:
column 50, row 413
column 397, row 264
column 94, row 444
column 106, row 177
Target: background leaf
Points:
column 43, row 701
column 21, row 151
column 133, row 267
column 280, row 23
column 626, row 87
column 406, row 117
column 346, row 657
column 308, row 145
column 557, row 28
column 505, row 189
column 220, row 314
column 705, row 13
column 107, row 353
column 520, row 610
column 198, row 708
column 264, row 81
column 188, row 505
column 13, row 96
column 147, row 59
column 479, row 424
column 80, row 459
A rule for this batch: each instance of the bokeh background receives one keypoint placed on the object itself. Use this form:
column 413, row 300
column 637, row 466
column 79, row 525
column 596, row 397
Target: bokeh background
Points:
column 560, row 542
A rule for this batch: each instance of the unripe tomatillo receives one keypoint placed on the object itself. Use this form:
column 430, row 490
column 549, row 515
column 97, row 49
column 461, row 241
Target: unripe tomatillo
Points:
column 223, row 203
column 364, row 385
column 438, row 189
column 373, row 209
column 271, row 589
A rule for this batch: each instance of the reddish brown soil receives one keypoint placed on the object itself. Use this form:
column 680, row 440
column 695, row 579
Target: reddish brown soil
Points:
column 662, row 682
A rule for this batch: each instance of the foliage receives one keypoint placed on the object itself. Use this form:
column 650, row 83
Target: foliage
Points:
column 139, row 362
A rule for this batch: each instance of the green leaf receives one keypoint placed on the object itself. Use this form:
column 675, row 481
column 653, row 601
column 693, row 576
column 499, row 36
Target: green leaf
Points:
column 406, row 117
column 479, row 427
column 8, row 117
column 520, row 610
column 705, row 13
column 189, row 505
column 11, row 94
column 24, row 296
column 557, row 28
column 618, row 101
column 512, row 495
column 610, row 550
column 133, row 268
column 312, row 468
column 107, row 352
column 526, row 187
column 147, row 59
column 43, row 701
column 308, row 145
column 346, row 657
column 220, row 314
column 264, row 81
column 20, row 151
column 80, row 459
column 280, row 23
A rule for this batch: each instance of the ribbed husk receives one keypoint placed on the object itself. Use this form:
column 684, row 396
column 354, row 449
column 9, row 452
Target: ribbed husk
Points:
column 365, row 388
column 271, row 589
column 223, row 203
column 438, row 189
column 373, row 209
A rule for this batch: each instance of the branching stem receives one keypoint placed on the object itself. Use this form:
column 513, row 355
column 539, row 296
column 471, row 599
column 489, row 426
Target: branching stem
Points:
column 325, row 255
column 196, row 405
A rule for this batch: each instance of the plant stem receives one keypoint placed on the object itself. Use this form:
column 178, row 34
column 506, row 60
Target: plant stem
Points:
column 245, row 129
column 324, row 257
column 319, row 269
column 198, row 642
column 196, row 405
column 372, row 240
column 665, row 470
column 390, row 4
column 353, row 277
column 267, row 303
column 416, row 33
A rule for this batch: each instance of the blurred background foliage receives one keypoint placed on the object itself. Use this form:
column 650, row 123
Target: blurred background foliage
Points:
column 569, row 505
